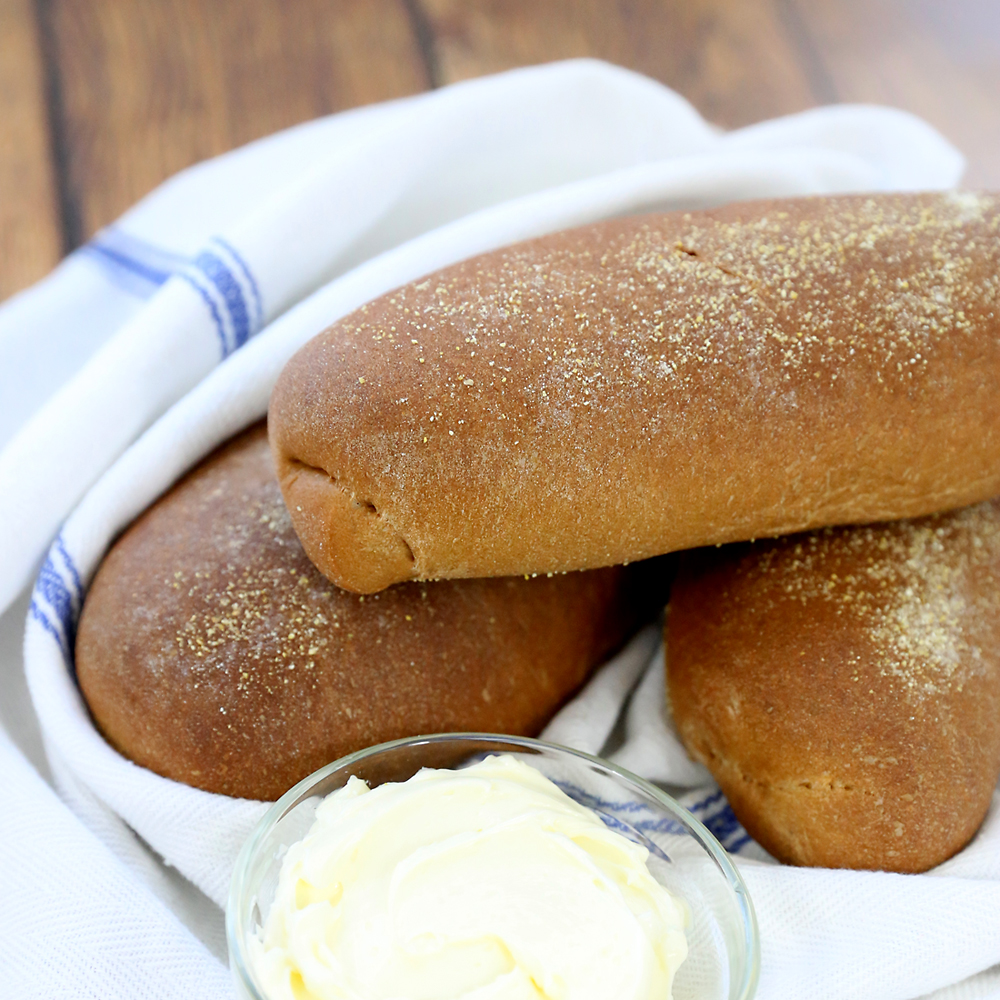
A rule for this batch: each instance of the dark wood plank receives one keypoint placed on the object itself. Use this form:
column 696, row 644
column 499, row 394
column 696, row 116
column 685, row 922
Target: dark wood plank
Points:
column 30, row 230
column 733, row 60
column 148, row 88
column 937, row 58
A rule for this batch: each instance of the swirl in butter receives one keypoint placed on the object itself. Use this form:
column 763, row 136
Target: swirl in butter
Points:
column 487, row 883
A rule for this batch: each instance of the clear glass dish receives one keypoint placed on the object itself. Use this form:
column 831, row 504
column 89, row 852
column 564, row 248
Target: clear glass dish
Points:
column 723, row 946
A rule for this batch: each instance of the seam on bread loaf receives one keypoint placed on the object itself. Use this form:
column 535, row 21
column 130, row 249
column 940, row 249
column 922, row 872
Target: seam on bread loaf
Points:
column 330, row 519
column 368, row 505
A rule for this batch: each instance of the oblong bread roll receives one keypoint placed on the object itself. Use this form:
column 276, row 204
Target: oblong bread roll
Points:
column 212, row 651
column 844, row 686
column 652, row 384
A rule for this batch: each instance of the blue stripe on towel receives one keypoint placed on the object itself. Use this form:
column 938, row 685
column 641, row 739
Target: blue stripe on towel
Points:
column 51, row 586
column 712, row 800
column 226, row 283
column 713, row 810
column 220, row 328
column 251, row 280
column 723, row 824
column 58, row 597
column 718, row 816
column 592, row 801
column 219, row 274
column 132, row 263
column 214, row 268
column 735, row 846
column 118, row 259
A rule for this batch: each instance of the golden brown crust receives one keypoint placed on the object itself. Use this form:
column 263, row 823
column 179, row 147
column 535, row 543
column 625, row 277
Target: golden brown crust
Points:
column 211, row 651
column 844, row 686
column 652, row 384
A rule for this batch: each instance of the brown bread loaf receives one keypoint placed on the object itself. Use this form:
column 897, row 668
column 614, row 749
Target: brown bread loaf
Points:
column 652, row 384
column 211, row 650
column 844, row 686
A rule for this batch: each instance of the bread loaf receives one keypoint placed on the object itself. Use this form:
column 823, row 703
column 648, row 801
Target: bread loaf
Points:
column 844, row 686
column 211, row 651
column 652, row 384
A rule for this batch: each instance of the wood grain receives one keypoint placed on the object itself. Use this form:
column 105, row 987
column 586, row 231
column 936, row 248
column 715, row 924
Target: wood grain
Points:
column 30, row 231
column 147, row 89
column 734, row 61
column 139, row 91
column 740, row 61
column 939, row 59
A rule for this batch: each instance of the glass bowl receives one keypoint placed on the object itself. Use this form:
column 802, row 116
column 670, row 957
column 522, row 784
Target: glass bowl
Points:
column 723, row 947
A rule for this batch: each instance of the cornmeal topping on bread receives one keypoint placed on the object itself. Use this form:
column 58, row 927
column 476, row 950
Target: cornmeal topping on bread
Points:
column 213, row 652
column 651, row 384
column 258, row 589
column 802, row 284
column 916, row 588
column 844, row 686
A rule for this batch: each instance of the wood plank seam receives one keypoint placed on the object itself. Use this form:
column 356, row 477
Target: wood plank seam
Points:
column 423, row 32
column 30, row 231
column 818, row 76
column 70, row 218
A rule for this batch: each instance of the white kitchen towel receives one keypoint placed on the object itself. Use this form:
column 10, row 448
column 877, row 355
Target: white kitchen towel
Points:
column 166, row 333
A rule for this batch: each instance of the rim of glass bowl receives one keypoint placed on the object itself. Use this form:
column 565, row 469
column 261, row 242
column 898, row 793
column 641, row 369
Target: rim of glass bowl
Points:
column 235, row 909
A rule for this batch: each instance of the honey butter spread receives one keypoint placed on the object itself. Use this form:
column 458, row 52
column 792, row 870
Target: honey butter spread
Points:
column 487, row 883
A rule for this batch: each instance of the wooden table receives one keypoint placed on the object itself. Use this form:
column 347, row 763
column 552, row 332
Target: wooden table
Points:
column 103, row 99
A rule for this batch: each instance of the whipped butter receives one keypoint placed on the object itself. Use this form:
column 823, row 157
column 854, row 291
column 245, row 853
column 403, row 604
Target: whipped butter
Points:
column 487, row 883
